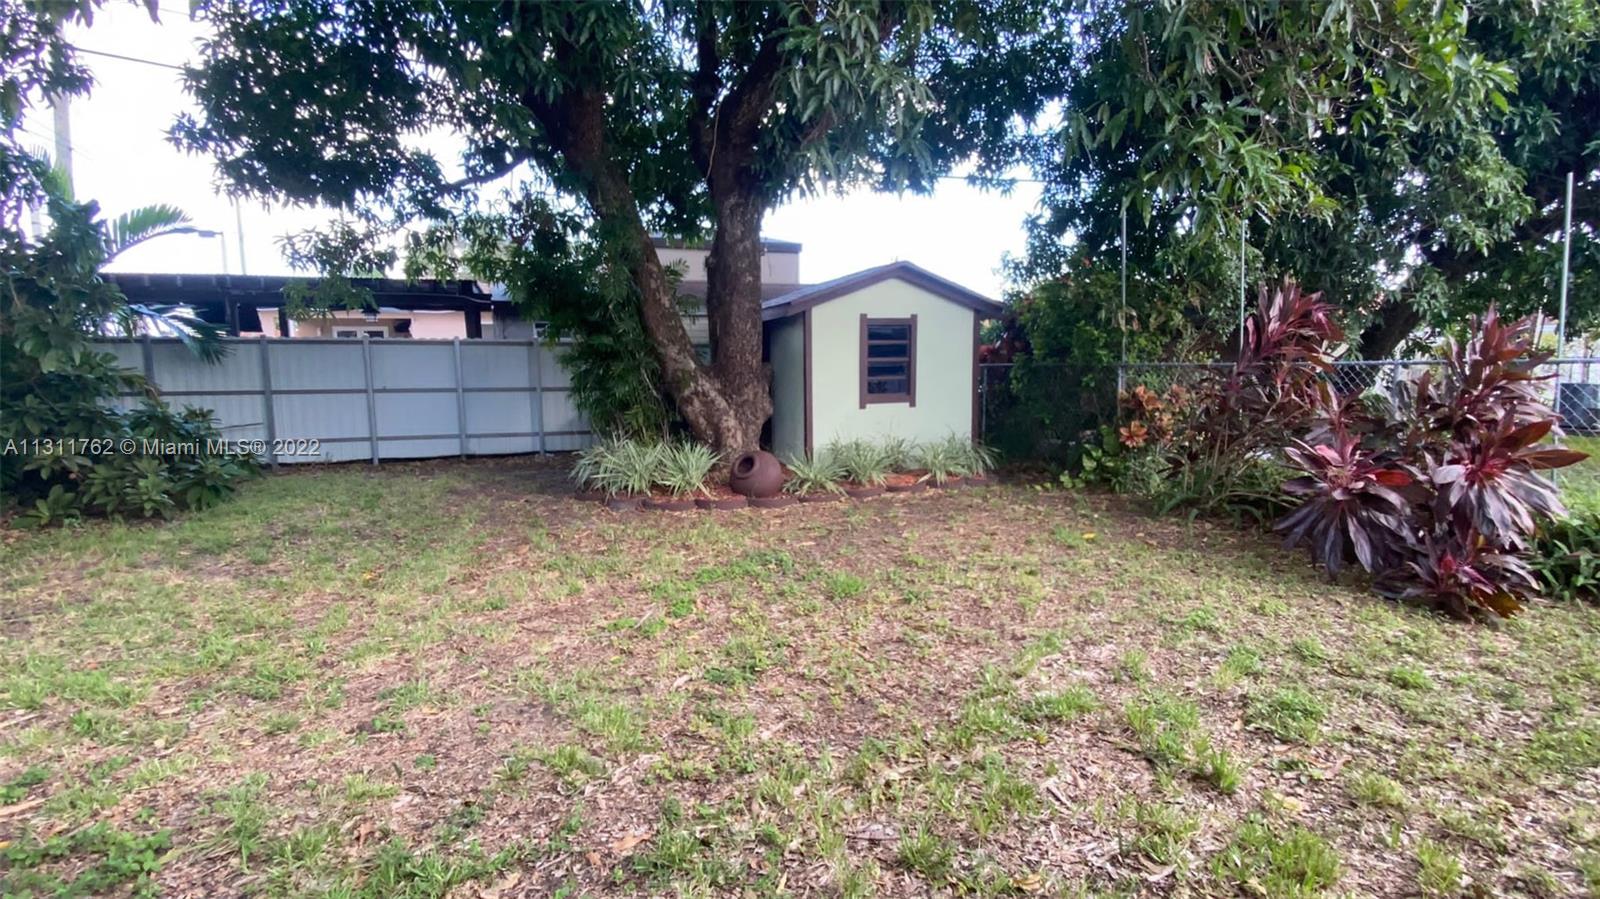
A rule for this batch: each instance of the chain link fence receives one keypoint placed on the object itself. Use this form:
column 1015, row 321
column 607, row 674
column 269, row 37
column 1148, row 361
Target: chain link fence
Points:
column 1032, row 410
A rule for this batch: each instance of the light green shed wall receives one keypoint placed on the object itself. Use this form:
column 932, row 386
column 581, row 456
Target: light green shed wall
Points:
column 944, row 366
column 787, row 353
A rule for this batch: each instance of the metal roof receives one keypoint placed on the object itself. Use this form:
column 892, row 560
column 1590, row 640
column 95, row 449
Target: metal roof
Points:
column 803, row 298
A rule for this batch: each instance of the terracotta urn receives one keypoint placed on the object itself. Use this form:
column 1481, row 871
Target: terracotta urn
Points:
column 756, row 474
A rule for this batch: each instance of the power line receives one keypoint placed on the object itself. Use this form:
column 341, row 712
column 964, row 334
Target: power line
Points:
column 148, row 62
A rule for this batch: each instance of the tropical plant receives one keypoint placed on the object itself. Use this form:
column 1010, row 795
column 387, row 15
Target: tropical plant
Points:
column 862, row 461
column 589, row 462
column 1440, row 495
column 941, row 459
column 819, row 473
column 1219, row 435
column 628, row 468
column 1348, row 504
column 1462, row 574
column 973, row 459
column 65, row 439
column 1566, row 557
column 899, row 453
column 684, row 467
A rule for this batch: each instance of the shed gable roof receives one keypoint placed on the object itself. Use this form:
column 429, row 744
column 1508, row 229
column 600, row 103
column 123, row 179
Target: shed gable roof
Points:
column 803, row 298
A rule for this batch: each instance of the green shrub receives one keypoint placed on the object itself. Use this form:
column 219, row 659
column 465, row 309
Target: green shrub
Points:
column 1566, row 557
column 684, row 467
column 181, row 462
column 627, row 467
column 941, row 459
column 64, row 447
column 973, row 459
column 863, row 462
column 899, row 453
column 818, row 474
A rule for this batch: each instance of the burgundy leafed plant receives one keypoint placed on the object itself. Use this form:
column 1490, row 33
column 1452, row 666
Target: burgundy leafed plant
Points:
column 1351, row 504
column 1439, row 494
column 1462, row 576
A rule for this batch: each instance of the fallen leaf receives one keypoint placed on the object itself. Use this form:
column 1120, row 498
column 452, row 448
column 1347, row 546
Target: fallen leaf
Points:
column 631, row 840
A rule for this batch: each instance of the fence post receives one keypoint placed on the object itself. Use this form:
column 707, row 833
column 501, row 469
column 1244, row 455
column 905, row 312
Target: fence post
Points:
column 148, row 356
column 267, row 410
column 372, row 400
column 461, row 398
column 983, row 403
column 536, row 392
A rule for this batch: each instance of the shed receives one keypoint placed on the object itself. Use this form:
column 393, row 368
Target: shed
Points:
column 891, row 351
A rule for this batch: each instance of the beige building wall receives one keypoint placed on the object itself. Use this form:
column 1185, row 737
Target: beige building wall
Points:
column 776, row 268
column 425, row 324
column 944, row 367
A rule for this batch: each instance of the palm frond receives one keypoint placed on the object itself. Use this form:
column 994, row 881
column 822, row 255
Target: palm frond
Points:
column 139, row 225
column 203, row 338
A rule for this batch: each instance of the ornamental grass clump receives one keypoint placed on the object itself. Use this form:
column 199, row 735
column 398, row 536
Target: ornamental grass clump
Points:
column 863, row 463
column 899, row 453
column 942, row 460
column 817, row 474
column 683, row 468
column 973, row 459
column 628, row 468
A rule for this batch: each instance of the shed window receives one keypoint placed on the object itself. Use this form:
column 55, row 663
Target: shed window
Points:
column 888, row 360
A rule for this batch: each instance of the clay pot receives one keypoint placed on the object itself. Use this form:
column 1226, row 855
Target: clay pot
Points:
column 862, row 491
column 669, row 505
column 781, row 501
column 756, row 474
column 721, row 503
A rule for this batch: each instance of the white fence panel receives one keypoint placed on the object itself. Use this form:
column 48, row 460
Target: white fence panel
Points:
column 371, row 400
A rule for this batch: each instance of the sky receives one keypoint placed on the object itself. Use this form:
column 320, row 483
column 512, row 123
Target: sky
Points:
column 122, row 159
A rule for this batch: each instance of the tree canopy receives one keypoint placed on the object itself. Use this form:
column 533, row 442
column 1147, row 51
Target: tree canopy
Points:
column 602, row 123
column 1405, row 158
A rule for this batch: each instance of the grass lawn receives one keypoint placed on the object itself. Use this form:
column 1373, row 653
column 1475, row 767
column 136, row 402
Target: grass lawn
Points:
column 449, row 678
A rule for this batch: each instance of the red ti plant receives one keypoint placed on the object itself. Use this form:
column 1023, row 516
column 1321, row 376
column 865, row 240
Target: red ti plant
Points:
column 1491, row 484
column 1461, row 575
column 1350, row 504
column 1439, row 496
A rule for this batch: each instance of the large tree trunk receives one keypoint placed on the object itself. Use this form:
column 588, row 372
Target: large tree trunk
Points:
column 733, row 306
column 1395, row 322
column 576, row 125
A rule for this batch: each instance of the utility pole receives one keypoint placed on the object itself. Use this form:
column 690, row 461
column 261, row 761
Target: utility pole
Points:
column 238, row 224
column 61, row 111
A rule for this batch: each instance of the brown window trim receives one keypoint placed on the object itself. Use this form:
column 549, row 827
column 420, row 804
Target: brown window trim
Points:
column 910, row 396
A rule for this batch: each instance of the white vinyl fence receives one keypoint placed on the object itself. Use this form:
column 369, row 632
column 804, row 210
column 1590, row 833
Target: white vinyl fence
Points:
column 307, row 400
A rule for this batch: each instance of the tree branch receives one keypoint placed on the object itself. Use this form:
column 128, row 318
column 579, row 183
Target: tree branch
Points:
column 705, row 88
column 495, row 173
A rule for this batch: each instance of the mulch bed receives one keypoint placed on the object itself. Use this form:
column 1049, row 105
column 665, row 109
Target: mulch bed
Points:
column 719, row 497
